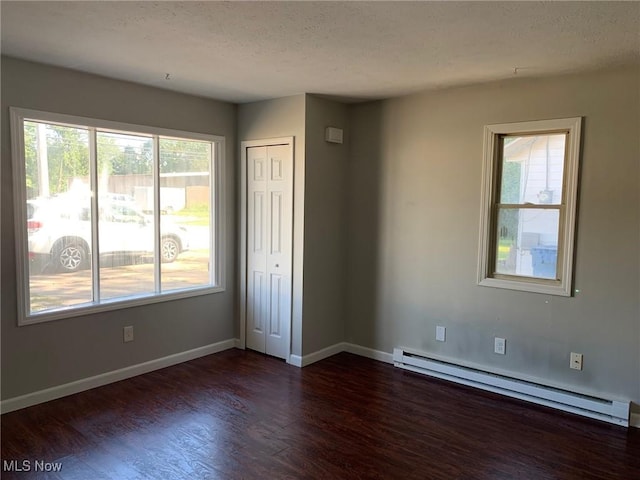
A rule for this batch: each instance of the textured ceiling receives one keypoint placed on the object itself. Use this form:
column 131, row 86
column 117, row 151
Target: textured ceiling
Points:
column 245, row 51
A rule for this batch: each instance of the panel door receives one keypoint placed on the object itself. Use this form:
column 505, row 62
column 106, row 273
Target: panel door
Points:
column 269, row 248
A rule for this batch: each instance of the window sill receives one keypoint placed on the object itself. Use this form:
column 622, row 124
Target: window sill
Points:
column 532, row 286
column 107, row 306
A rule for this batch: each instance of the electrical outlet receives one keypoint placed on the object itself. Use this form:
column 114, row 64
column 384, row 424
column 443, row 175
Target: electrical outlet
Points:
column 499, row 346
column 440, row 333
column 127, row 333
column 576, row 361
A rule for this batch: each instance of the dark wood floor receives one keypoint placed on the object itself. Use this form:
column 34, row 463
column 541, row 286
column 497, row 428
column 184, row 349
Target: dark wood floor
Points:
column 243, row 415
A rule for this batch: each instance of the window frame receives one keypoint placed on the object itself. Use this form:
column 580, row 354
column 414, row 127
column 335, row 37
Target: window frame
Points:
column 218, row 213
column 491, row 178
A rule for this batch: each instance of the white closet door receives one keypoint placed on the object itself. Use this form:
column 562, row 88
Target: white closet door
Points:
column 269, row 248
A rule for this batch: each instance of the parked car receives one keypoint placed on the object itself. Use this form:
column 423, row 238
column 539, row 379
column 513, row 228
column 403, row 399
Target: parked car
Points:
column 59, row 233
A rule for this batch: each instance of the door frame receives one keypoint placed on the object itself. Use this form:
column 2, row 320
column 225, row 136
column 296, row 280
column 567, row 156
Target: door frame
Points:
column 244, row 145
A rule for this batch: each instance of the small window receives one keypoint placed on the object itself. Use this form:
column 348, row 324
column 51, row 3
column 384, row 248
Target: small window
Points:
column 111, row 215
column 529, row 191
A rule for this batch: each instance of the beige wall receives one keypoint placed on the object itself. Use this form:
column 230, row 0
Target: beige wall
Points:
column 414, row 193
column 39, row 356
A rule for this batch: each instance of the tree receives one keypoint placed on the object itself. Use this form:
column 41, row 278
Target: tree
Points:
column 120, row 154
column 180, row 156
column 31, row 158
column 67, row 156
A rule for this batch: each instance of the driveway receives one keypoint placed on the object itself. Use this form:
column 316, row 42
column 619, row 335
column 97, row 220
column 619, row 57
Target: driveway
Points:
column 54, row 290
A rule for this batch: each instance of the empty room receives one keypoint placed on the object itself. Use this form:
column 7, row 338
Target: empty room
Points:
column 324, row 240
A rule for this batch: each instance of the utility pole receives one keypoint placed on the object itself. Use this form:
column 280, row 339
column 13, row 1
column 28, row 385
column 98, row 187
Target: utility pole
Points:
column 43, row 161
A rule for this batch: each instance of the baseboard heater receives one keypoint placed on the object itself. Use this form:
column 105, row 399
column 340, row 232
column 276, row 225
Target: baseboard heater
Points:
column 611, row 411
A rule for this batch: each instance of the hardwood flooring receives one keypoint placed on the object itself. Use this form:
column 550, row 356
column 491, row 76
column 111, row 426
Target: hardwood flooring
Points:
column 242, row 415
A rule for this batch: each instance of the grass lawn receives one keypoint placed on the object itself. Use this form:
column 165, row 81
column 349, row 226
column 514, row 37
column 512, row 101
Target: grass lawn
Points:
column 197, row 215
column 504, row 248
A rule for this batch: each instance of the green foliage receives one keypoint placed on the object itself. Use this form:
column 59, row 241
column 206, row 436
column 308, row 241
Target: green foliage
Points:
column 504, row 249
column 31, row 158
column 510, row 191
column 510, row 194
column 67, row 156
column 194, row 215
column 124, row 154
column 184, row 156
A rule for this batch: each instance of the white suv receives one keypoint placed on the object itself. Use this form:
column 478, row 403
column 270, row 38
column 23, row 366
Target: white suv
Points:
column 60, row 234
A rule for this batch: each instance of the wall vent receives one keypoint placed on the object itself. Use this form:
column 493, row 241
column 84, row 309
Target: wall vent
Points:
column 333, row 135
column 612, row 411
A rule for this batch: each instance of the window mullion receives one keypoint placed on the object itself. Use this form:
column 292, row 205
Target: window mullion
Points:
column 95, row 219
column 213, row 214
column 562, row 243
column 157, row 254
column 533, row 206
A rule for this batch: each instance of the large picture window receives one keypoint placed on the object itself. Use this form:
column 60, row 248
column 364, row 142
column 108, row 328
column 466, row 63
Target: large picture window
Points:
column 529, row 205
column 111, row 215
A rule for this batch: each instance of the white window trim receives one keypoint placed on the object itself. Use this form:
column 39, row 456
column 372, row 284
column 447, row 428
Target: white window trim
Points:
column 217, row 242
column 562, row 287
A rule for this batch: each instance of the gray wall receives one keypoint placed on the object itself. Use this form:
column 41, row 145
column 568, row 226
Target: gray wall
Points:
column 325, row 226
column 39, row 356
column 414, row 192
column 319, row 277
column 284, row 117
column 386, row 229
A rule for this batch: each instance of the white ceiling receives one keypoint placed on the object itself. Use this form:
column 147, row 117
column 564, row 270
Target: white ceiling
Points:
column 246, row 51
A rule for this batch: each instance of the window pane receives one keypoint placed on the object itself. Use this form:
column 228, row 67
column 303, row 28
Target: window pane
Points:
column 125, row 207
column 58, row 215
column 527, row 242
column 112, row 214
column 532, row 169
column 185, row 199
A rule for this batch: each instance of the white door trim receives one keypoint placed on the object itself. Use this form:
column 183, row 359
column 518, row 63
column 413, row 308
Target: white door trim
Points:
column 244, row 145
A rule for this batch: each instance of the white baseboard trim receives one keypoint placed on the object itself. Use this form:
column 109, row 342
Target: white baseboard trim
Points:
column 303, row 361
column 237, row 343
column 634, row 420
column 295, row 360
column 78, row 386
column 322, row 354
column 369, row 353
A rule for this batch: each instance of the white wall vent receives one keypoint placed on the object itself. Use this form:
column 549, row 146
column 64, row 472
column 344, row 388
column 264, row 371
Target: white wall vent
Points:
column 333, row 135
